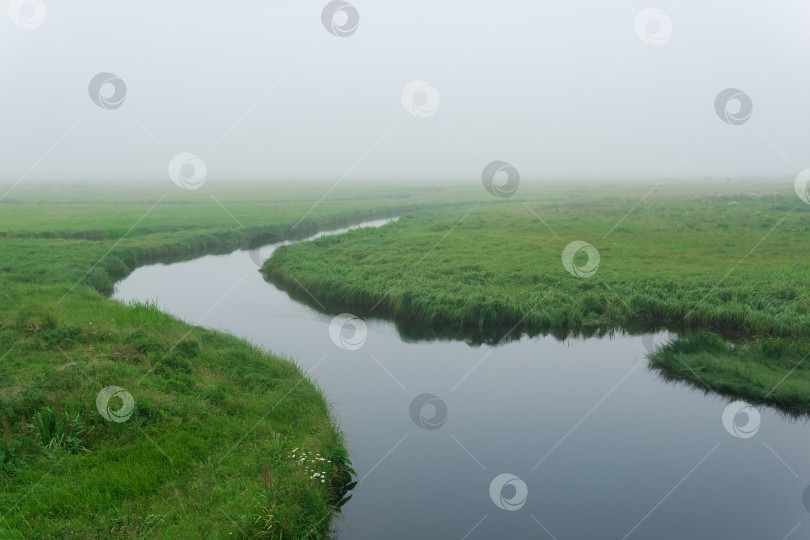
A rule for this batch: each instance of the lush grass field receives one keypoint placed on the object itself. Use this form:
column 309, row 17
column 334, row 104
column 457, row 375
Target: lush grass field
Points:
column 224, row 437
column 725, row 260
column 208, row 450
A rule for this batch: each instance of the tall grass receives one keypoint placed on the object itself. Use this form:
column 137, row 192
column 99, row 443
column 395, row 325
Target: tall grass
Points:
column 500, row 266
column 720, row 262
column 207, row 449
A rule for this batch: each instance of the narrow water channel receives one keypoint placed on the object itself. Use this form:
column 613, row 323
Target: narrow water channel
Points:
column 533, row 438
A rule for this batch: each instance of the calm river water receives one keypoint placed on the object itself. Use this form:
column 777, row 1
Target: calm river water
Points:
column 534, row 438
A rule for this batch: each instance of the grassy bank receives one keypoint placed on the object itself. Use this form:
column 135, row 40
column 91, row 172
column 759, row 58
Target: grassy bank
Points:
column 727, row 260
column 224, row 439
column 179, row 466
column 761, row 371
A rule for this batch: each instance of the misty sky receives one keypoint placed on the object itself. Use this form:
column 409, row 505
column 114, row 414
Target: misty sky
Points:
column 262, row 90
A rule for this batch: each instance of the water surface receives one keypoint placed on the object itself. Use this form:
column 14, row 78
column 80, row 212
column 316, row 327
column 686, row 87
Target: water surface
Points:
column 604, row 447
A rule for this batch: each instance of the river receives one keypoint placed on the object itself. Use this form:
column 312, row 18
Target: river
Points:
column 533, row 438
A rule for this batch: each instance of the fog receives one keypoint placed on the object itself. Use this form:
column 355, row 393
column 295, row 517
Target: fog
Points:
column 281, row 91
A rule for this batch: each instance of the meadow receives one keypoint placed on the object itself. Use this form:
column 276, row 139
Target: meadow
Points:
column 724, row 266
column 224, row 438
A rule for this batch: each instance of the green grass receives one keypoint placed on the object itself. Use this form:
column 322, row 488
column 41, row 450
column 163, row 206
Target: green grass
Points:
column 208, row 451
column 179, row 466
column 767, row 371
column 731, row 262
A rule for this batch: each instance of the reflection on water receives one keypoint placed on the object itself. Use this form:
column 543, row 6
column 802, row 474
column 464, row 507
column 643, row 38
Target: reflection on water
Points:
column 492, row 334
column 538, row 437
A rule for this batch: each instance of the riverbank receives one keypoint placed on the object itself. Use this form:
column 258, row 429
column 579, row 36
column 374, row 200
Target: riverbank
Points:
column 728, row 262
column 206, row 433
column 760, row 371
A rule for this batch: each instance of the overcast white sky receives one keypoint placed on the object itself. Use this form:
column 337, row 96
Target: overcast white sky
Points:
column 262, row 90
